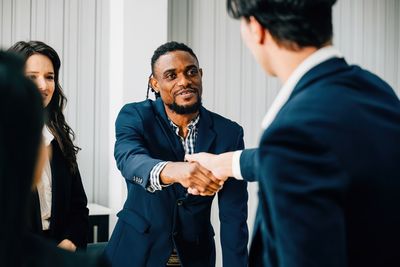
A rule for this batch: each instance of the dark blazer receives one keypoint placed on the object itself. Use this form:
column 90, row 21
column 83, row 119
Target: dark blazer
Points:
column 150, row 224
column 69, row 214
column 328, row 173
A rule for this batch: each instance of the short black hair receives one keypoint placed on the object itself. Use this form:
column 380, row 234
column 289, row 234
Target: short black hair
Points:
column 169, row 47
column 299, row 22
column 164, row 49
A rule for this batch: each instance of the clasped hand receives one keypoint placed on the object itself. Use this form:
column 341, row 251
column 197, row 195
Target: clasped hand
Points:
column 203, row 174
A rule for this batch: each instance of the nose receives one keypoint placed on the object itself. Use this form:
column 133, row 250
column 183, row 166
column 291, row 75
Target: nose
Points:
column 41, row 83
column 184, row 81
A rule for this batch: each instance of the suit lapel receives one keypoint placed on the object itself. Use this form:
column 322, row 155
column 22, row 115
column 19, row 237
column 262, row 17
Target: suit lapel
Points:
column 205, row 132
column 169, row 134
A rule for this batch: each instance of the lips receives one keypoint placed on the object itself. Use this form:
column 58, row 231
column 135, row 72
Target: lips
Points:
column 186, row 92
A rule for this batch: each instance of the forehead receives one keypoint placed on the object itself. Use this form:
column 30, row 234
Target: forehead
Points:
column 39, row 61
column 175, row 60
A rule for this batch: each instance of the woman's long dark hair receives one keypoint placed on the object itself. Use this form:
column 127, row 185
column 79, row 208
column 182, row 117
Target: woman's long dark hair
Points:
column 55, row 120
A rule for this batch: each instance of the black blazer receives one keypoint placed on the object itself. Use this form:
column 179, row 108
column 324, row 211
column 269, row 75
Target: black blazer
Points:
column 69, row 214
column 328, row 173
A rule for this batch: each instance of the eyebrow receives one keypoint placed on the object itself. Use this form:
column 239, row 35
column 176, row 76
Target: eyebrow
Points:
column 38, row 72
column 186, row 68
column 169, row 70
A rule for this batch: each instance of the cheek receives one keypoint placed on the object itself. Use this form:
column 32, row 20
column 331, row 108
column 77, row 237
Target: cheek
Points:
column 51, row 88
column 166, row 95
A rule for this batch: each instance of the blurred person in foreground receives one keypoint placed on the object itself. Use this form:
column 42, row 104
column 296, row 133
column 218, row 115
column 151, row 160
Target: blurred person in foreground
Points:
column 327, row 163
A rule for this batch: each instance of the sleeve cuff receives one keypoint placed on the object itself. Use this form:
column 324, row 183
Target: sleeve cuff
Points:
column 236, row 165
column 155, row 177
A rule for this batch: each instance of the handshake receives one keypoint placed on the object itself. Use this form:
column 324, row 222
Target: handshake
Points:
column 203, row 173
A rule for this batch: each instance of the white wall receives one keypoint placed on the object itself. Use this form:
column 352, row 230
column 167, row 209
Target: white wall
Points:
column 137, row 29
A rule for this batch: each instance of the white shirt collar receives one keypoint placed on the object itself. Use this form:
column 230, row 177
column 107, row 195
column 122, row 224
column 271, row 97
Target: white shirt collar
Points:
column 313, row 60
column 47, row 136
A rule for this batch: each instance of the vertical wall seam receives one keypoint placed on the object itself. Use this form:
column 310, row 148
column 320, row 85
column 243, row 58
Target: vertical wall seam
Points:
column 46, row 27
column 30, row 20
column 96, row 118
column 63, row 40
column 78, row 9
column 12, row 22
column 214, row 54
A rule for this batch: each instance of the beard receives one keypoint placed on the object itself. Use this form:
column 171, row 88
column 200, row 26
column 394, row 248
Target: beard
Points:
column 181, row 110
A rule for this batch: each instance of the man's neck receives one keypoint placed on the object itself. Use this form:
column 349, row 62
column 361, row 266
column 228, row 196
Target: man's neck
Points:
column 290, row 60
column 181, row 120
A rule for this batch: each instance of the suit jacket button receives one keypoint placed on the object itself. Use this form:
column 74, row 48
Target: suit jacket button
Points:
column 179, row 202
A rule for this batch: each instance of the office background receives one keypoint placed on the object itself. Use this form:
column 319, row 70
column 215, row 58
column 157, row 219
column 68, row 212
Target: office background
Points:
column 106, row 45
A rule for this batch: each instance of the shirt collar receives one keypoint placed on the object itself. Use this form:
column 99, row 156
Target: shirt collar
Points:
column 313, row 60
column 47, row 136
column 192, row 124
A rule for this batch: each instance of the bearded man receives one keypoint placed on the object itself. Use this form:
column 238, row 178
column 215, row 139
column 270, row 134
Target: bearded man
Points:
column 161, row 224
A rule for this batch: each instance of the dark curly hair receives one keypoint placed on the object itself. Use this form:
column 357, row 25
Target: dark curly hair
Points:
column 292, row 23
column 162, row 50
column 55, row 119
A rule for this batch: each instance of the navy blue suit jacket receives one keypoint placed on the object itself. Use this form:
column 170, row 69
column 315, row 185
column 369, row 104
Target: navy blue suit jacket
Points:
column 328, row 173
column 151, row 224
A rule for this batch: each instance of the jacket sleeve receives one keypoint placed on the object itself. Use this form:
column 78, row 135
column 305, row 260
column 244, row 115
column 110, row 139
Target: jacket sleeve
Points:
column 249, row 164
column 132, row 156
column 232, row 203
column 78, row 227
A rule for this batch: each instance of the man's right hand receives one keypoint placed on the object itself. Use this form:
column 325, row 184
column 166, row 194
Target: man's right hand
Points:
column 191, row 175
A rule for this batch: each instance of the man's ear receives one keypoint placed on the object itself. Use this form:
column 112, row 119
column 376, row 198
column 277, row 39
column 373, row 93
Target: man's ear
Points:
column 257, row 30
column 201, row 72
column 154, row 84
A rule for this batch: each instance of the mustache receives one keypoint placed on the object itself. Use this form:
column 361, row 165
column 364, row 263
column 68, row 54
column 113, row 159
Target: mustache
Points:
column 187, row 90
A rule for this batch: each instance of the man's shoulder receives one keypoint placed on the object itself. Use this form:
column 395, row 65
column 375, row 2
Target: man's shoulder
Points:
column 221, row 121
column 134, row 112
column 142, row 105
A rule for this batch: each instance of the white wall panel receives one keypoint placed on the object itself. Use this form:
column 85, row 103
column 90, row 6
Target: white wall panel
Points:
column 21, row 14
column 38, row 19
column 6, row 13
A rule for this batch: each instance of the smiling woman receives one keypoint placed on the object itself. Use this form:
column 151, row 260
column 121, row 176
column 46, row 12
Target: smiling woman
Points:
column 59, row 209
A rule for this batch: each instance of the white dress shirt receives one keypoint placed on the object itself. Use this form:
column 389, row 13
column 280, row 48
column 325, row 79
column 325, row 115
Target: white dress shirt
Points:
column 313, row 60
column 44, row 186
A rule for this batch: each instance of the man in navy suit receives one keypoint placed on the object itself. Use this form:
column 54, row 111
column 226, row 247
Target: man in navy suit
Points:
column 327, row 163
column 161, row 224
